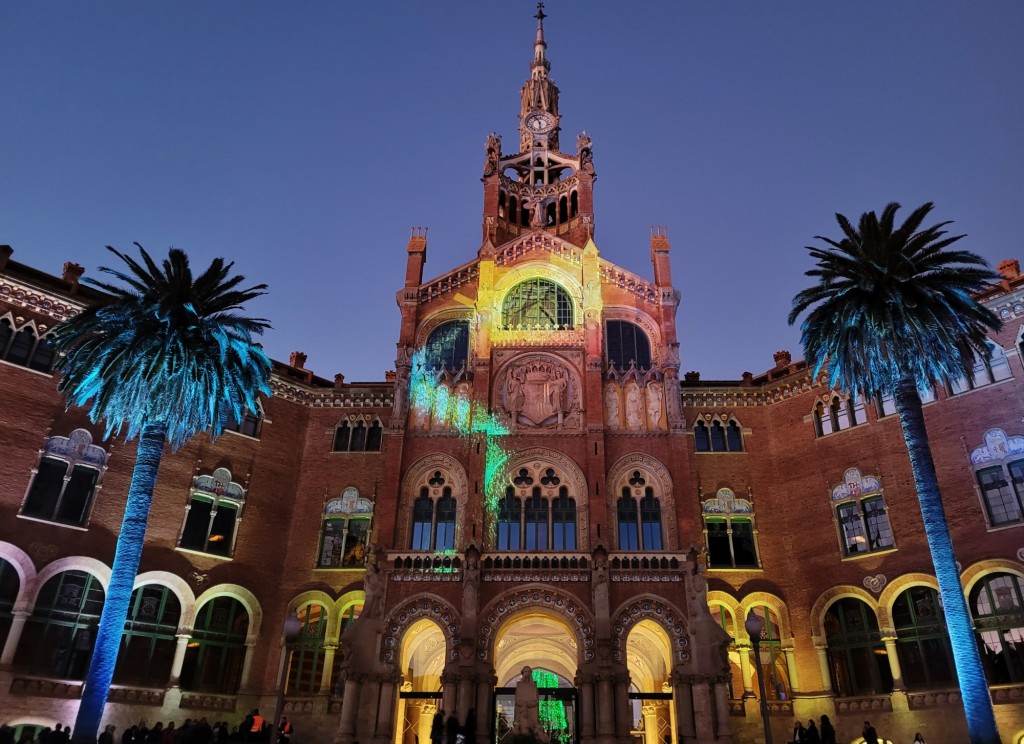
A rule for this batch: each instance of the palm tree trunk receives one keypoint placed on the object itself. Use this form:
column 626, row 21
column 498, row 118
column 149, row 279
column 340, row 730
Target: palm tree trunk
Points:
column 981, row 721
column 122, row 581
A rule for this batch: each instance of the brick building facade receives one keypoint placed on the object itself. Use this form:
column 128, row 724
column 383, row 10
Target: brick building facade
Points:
column 533, row 485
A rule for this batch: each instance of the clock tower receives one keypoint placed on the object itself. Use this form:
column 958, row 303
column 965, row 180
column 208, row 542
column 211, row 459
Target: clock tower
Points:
column 539, row 187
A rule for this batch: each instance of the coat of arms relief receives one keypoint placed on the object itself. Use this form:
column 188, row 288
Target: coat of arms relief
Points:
column 539, row 391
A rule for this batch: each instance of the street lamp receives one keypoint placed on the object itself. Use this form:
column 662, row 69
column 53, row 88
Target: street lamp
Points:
column 754, row 625
column 292, row 629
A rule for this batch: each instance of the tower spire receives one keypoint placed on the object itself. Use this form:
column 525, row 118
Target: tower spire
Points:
column 539, row 68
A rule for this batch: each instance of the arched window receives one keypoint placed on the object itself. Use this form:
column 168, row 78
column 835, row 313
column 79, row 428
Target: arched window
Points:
column 148, row 641
column 509, row 517
column 306, row 665
column 66, row 480
column 922, row 645
column 987, row 370
column 840, row 413
column 563, row 210
column 10, row 583
column 638, row 511
column 345, row 530
column 373, row 436
column 21, row 347
column 999, row 469
column 250, row 423
column 358, row 443
column 701, row 437
column 773, row 658
column 537, row 304
column 447, row 346
column 563, row 521
column 537, row 512
column 997, row 606
column 212, row 514
column 433, row 523
column 444, row 537
column 650, row 521
column 216, row 652
column 537, row 522
column 342, row 436
column 856, row 654
column 626, row 343
column 422, row 521
column 6, row 331
column 862, row 515
column 574, row 204
column 729, row 523
column 718, row 437
column 42, row 356
column 59, row 636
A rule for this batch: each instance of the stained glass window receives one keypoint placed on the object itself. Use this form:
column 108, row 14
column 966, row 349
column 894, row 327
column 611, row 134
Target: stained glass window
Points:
column 537, row 304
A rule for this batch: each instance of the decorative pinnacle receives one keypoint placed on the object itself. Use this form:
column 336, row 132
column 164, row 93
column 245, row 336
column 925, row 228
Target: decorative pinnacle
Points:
column 539, row 45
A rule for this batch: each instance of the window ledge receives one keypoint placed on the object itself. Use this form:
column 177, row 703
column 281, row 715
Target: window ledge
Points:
column 240, row 434
column 842, row 431
column 5, row 363
column 986, row 386
column 349, row 452
column 339, row 568
column 870, row 554
column 720, row 452
column 41, row 520
column 745, row 569
column 1006, row 526
column 192, row 551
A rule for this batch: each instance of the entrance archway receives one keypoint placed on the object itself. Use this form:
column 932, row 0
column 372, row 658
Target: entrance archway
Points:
column 649, row 660
column 544, row 641
column 422, row 659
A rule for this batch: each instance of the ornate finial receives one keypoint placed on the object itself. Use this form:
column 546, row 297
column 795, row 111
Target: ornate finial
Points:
column 540, row 14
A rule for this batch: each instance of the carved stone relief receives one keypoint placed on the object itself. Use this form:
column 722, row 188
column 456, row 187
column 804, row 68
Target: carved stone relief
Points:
column 538, row 391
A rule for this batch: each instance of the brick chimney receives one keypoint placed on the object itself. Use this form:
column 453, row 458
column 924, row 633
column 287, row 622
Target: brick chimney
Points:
column 782, row 358
column 297, row 359
column 390, row 376
column 339, row 380
column 5, row 253
column 748, row 379
column 691, row 377
column 1009, row 269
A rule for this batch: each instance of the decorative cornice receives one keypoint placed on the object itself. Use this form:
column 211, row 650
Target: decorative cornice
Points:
column 382, row 397
column 54, row 306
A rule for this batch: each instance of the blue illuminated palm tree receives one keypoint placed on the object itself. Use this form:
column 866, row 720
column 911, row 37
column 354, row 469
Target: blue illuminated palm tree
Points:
column 892, row 312
column 164, row 356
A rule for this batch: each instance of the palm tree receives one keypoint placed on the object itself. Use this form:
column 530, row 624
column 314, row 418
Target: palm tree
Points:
column 892, row 311
column 164, row 356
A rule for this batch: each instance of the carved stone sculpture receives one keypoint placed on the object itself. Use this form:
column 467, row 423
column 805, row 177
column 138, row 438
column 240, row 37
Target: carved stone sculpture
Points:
column 634, row 407
column 538, row 392
column 655, row 398
column 526, row 718
column 611, row 404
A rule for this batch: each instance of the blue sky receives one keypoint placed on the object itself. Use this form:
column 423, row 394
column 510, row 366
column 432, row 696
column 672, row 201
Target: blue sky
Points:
column 302, row 140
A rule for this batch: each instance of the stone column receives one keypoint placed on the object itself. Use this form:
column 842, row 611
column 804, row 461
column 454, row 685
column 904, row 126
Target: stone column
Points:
column 894, row 662
column 605, row 708
column 650, row 715
column 682, row 697
column 466, row 698
column 250, row 647
column 826, row 677
column 623, row 710
column 794, row 680
column 427, row 711
column 179, row 656
column 704, row 712
column 585, row 685
column 13, row 636
column 484, row 714
column 744, row 649
column 670, row 712
column 448, row 695
column 721, row 693
column 386, row 710
column 325, row 678
column 349, row 705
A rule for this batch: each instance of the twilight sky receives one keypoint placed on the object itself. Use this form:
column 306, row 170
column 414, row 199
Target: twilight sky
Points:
column 302, row 140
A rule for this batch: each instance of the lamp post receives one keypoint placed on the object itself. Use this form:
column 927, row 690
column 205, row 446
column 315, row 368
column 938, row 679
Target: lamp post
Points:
column 754, row 625
column 292, row 628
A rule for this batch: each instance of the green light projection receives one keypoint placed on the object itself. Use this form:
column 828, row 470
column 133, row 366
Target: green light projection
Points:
column 551, row 712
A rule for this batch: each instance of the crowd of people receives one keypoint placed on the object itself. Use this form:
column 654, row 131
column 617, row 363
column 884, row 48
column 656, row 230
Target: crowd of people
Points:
column 254, row 729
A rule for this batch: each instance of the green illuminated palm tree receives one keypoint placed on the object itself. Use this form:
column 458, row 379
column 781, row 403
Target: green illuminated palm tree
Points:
column 892, row 312
column 164, row 356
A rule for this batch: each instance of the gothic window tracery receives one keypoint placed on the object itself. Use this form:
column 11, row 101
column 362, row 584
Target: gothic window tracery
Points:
column 639, row 515
column 447, row 346
column 26, row 346
column 537, row 512
column 717, row 436
column 838, row 412
column 434, row 514
column 357, row 434
column 538, row 304
column 626, row 344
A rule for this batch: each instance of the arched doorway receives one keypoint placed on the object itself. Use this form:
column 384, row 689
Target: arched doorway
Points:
column 649, row 660
column 422, row 662
column 543, row 641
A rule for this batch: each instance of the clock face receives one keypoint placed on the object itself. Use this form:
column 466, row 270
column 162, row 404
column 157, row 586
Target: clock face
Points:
column 538, row 122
